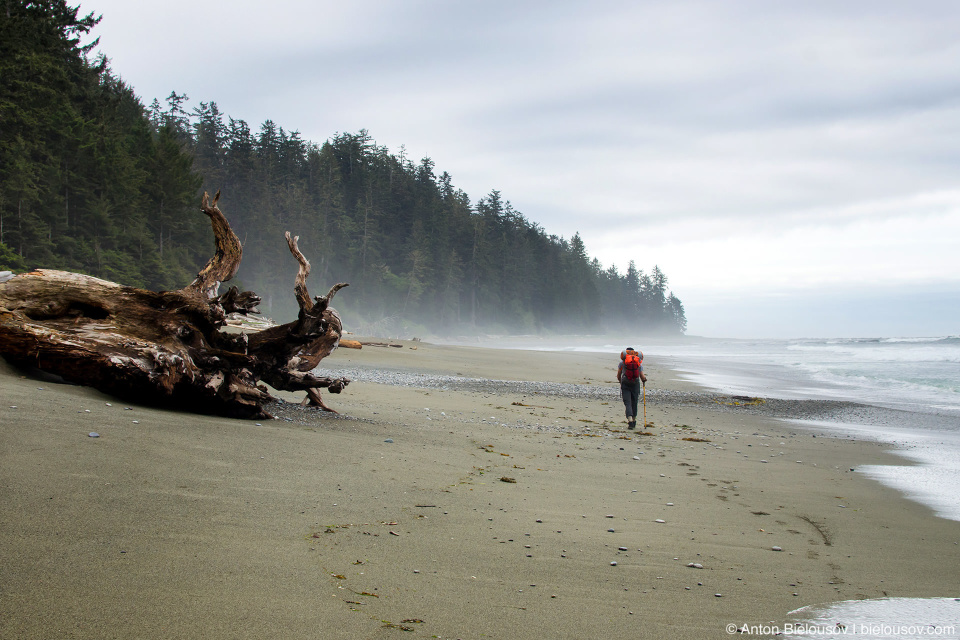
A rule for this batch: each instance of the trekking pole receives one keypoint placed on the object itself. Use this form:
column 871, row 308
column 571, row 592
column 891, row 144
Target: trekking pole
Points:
column 644, row 405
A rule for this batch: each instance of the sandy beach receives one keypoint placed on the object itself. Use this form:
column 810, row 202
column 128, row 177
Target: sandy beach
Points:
column 462, row 492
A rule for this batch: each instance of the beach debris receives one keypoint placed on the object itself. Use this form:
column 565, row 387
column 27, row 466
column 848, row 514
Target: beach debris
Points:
column 394, row 533
column 169, row 347
column 660, row 520
column 609, row 515
column 508, row 480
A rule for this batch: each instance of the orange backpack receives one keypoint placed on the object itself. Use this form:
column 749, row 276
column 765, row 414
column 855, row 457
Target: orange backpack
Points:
column 631, row 365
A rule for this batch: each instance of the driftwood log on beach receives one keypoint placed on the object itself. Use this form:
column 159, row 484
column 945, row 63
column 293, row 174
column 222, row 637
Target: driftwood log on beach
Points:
column 167, row 347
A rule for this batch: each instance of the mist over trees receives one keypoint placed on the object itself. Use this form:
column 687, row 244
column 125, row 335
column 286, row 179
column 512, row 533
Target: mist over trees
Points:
column 94, row 181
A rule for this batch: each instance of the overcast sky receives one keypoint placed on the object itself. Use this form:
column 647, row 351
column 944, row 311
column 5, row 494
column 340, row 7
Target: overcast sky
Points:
column 792, row 167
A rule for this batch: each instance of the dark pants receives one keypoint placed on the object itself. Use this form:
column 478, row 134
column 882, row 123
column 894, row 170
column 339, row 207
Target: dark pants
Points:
column 631, row 396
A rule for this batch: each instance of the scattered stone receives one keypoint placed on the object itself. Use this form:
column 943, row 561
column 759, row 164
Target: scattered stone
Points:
column 695, row 565
column 93, row 434
column 660, row 520
column 389, row 440
column 622, row 548
column 719, row 595
column 509, row 480
column 610, row 531
column 777, row 549
column 613, row 563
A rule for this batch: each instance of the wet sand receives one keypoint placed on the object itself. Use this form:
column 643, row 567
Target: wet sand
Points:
column 440, row 504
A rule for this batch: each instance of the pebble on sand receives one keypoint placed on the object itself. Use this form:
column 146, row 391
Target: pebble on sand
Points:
column 661, row 521
column 777, row 549
column 94, row 434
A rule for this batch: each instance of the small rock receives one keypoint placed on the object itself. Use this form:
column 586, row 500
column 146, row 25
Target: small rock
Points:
column 389, row 440
column 777, row 549
column 636, row 457
column 659, row 520
column 719, row 595
column 93, row 434
column 622, row 548
column 613, row 563
column 610, row 531
column 695, row 565
column 609, row 515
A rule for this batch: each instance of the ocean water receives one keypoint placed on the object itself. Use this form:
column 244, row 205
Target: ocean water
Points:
column 914, row 382
column 876, row 619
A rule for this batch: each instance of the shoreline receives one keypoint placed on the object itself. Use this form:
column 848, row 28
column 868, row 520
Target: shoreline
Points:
column 479, row 509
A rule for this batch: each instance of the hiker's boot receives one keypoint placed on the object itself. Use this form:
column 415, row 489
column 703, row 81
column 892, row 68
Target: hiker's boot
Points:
column 631, row 424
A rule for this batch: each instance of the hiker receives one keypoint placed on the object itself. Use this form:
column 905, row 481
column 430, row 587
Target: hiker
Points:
column 630, row 375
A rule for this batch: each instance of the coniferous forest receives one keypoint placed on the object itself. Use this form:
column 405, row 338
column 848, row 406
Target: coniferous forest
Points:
column 93, row 180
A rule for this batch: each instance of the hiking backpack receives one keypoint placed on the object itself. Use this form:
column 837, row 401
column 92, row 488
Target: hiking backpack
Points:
column 631, row 367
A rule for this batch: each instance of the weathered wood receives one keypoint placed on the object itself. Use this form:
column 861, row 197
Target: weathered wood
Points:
column 167, row 347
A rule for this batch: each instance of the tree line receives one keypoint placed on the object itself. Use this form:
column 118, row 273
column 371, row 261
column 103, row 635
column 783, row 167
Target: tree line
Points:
column 94, row 181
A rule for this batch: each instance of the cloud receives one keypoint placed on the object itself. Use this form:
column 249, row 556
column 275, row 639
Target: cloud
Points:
column 688, row 134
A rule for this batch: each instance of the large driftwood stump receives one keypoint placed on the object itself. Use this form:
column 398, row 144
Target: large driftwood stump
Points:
column 167, row 347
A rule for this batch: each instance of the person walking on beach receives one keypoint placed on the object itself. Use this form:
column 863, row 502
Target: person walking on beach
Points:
column 630, row 375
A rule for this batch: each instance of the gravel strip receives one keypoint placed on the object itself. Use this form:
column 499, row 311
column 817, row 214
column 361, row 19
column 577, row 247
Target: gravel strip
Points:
column 705, row 400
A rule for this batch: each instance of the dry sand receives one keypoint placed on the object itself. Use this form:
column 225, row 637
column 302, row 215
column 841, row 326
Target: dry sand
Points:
column 394, row 519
